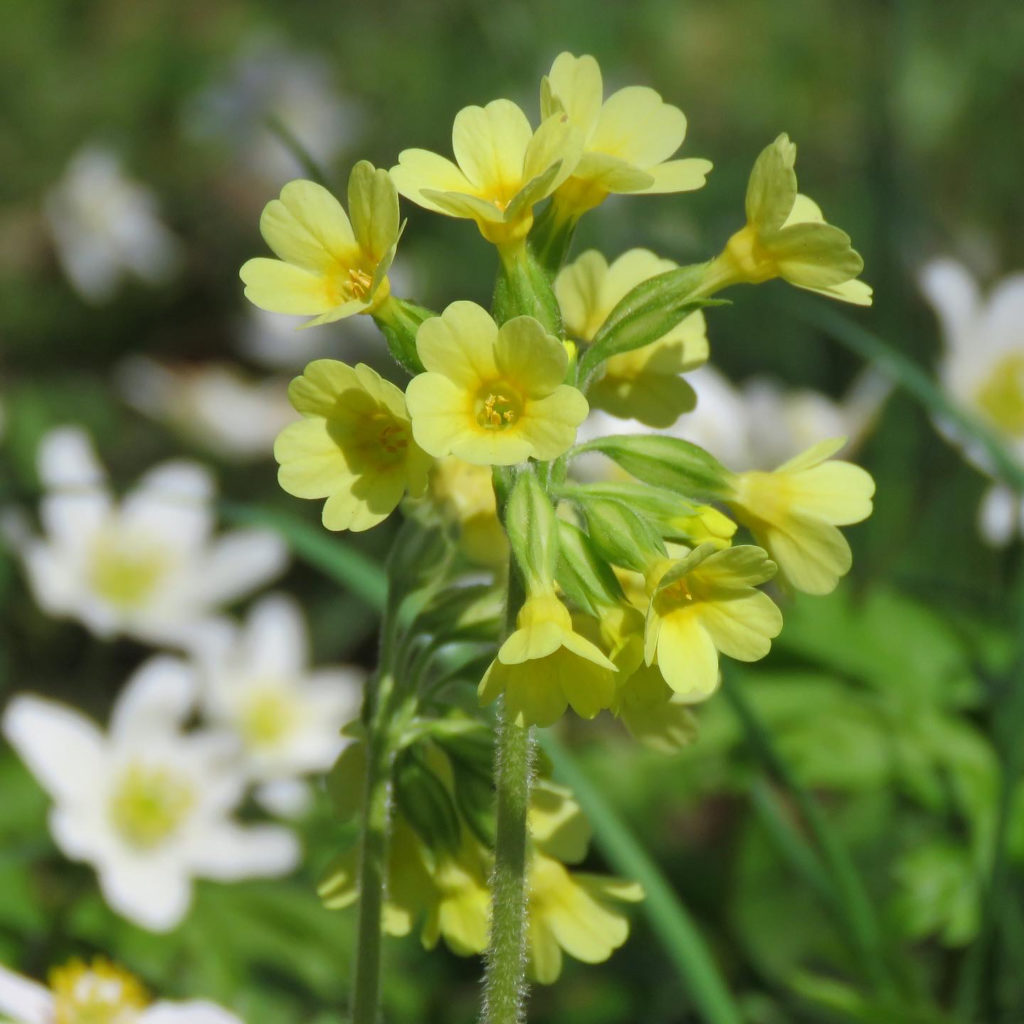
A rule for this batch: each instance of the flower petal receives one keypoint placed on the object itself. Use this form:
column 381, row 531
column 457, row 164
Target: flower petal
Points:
column 638, row 126
column 460, row 344
column 535, row 361
column 490, row 145
column 156, row 700
column 687, row 656
column 283, row 288
column 308, row 227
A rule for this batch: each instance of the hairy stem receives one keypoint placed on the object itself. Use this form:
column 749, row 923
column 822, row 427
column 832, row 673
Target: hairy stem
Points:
column 505, row 974
column 372, row 865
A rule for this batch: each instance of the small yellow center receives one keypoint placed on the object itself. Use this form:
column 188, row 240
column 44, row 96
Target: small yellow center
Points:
column 498, row 405
column 359, row 282
column 1001, row 397
column 124, row 570
column 99, row 993
column 268, row 716
column 149, row 803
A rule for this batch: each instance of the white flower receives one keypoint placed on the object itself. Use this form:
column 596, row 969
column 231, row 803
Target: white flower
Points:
column 146, row 804
column 146, row 566
column 257, row 683
column 269, row 81
column 982, row 369
column 213, row 404
column 758, row 425
column 106, row 226
column 97, row 993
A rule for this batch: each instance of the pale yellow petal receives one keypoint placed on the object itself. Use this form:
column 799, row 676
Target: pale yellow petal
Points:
column 311, row 463
column 656, row 400
column 771, row 191
column 556, row 142
column 419, row 169
column 638, row 126
column 549, row 424
column 813, row 255
column 687, row 656
column 460, row 344
column 308, row 227
column 577, row 85
column 283, row 288
column 320, row 389
column 633, row 267
column 742, row 627
column 458, row 204
column 838, row 492
column 526, row 355
column 812, row 555
column 490, row 145
column 373, row 207
column 439, row 412
column 612, row 173
column 578, row 290
column 677, row 176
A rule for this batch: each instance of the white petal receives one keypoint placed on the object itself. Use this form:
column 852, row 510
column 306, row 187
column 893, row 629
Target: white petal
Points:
column 156, row 700
column 286, row 798
column 231, row 852
column 152, row 892
column 172, row 502
column 998, row 515
column 66, row 458
column 72, row 518
column 952, row 292
column 240, row 562
column 25, row 1001
column 60, row 746
column 187, row 1013
column 275, row 641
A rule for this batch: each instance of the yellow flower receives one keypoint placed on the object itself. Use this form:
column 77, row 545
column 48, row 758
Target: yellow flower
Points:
column 643, row 384
column 628, row 138
column 465, row 494
column 545, row 665
column 705, row 525
column 573, row 912
column 786, row 236
column 354, row 448
column 492, row 396
column 503, row 168
column 329, row 267
column 704, row 604
column 794, row 512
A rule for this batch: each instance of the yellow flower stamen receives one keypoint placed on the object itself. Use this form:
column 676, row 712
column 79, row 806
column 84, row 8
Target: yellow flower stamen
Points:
column 1001, row 397
column 149, row 803
column 124, row 570
column 500, row 408
column 96, row 993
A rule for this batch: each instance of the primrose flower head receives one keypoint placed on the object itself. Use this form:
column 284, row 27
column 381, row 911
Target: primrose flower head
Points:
column 786, row 236
column 794, row 512
column 705, row 604
column 354, row 448
column 645, row 383
column 492, row 396
column 628, row 138
column 503, row 167
column 329, row 266
column 545, row 665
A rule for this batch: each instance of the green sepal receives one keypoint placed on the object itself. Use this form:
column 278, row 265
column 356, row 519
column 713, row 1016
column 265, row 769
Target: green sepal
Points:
column 532, row 528
column 551, row 237
column 583, row 574
column 523, row 288
column 646, row 313
column 425, row 803
column 620, row 535
column 668, row 462
column 399, row 321
column 659, row 506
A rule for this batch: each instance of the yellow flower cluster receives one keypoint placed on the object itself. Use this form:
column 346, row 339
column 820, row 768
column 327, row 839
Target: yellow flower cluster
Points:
column 441, row 886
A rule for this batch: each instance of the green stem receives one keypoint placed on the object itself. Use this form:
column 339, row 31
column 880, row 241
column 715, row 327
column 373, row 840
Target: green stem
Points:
column 505, row 974
column 853, row 901
column 373, row 862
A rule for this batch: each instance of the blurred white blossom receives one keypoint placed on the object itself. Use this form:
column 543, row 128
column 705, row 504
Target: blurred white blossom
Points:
column 146, row 804
column 982, row 369
column 214, row 405
column 760, row 424
column 106, row 226
column 258, row 684
column 269, row 81
column 96, row 992
column 146, row 567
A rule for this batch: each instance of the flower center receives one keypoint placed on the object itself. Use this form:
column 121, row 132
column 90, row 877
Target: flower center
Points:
column 498, row 405
column 124, row 571
column 149, row 803
column 359, row 282
column 267, row 717
column 96, row 994
column 1001, row 397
